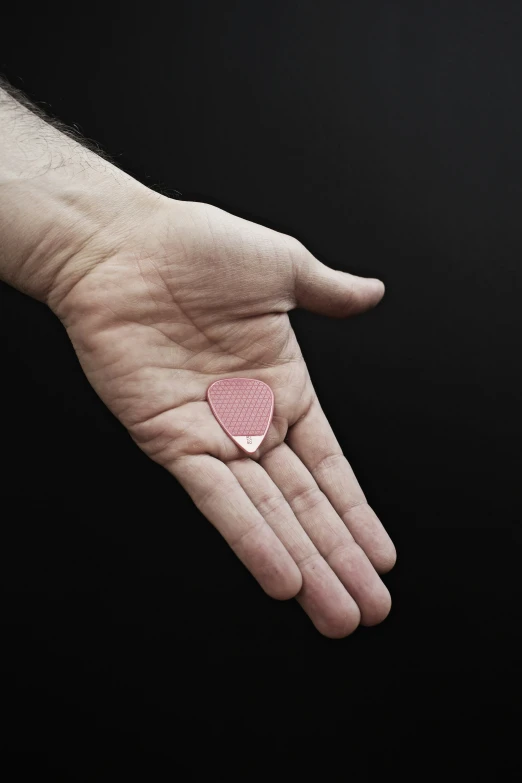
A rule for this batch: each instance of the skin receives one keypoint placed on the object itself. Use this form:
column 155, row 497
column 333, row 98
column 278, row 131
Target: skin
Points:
column 160, row 298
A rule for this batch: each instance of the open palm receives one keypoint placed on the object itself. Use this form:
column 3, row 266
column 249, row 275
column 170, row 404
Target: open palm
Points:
column 193, row 294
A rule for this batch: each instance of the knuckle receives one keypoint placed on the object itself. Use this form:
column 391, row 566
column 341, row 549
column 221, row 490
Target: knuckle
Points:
column 270, row 503
column 308, row 560
column 328, row 461
column 351, row 506
column 242, row 539
column 305, row 500
column 206, row 499
column 343, row 552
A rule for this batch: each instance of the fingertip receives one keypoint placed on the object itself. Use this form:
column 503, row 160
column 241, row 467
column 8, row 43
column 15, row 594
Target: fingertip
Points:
column 378, row 285
column 375, row 290
column 340, row 625
column 335, row 615
column 384, row 560
column 286, row 584
column 334, row 292
column 378, row 609
column 360, row 294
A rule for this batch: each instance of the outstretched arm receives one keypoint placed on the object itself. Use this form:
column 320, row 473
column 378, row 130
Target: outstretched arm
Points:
column 160, row 299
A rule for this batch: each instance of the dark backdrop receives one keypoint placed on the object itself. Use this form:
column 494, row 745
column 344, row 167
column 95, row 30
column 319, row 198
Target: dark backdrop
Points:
column 387, row 136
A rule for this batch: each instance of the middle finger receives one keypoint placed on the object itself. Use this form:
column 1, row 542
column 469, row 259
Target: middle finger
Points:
column 325, row 600
column 328, row 532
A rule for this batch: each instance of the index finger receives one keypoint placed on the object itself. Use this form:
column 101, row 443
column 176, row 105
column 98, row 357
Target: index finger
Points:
column 221, row 498
column 314, row 442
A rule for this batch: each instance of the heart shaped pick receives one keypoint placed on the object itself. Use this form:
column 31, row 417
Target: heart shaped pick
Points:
column 244, row 408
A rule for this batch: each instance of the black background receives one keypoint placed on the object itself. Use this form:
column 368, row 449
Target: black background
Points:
column 386, row 136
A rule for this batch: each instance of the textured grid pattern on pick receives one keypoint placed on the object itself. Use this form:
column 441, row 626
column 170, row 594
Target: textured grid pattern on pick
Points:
column 242, row 405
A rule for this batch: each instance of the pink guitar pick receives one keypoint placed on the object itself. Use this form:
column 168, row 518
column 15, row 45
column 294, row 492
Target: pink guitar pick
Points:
column 244, row 407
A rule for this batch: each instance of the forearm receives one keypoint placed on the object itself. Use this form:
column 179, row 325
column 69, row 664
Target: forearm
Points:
column 56, row 197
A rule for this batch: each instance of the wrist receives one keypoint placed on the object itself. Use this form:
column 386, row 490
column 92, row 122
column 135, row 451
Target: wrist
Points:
column 57, row 225
column 62, row 206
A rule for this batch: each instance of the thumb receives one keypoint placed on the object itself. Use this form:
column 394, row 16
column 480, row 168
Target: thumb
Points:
column 331, row 292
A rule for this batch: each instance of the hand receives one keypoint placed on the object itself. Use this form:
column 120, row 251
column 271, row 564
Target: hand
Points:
column 184, row 295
